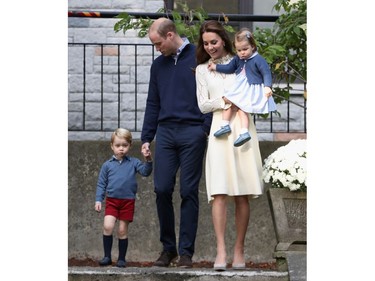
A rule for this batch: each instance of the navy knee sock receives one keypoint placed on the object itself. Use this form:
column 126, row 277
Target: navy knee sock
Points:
column 122, row 248
column 107, row 243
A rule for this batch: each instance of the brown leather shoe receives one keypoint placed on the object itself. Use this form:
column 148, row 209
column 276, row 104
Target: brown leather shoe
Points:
column 165, row 258
column 185, row 261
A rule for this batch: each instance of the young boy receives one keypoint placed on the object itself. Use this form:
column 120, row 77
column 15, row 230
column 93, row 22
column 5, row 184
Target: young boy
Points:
column 117, row 183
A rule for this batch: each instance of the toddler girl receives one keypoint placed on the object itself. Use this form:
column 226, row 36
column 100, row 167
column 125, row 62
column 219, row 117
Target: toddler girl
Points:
column 252, row 91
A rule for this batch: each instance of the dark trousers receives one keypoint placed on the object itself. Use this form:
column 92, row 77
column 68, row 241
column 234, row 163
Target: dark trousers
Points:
column 178, row 146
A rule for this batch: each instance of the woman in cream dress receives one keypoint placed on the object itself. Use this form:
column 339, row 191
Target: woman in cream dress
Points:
column 231, row 172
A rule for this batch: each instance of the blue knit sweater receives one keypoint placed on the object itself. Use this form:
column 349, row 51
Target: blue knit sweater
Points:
column 256, row 68
column 172, row 94
column 118, row 180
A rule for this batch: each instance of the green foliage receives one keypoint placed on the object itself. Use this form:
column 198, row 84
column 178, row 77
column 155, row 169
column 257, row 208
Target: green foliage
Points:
column 187, row 23
column 127, row 22
column 284, row 46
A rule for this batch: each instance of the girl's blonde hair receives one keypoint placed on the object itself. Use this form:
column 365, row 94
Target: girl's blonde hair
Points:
column 122, row 133
column 245, row 34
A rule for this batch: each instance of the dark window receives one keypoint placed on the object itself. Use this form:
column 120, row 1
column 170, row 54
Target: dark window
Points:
column 218, row 7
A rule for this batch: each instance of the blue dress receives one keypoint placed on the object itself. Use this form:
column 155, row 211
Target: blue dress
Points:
column 252, row 75
column 249, row 97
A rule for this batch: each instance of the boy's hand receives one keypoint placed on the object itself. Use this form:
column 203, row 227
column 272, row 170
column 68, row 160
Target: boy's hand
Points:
column 98, row 206
column 148, row 157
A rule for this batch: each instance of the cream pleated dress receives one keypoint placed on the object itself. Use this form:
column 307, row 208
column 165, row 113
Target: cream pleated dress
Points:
column 229, row 170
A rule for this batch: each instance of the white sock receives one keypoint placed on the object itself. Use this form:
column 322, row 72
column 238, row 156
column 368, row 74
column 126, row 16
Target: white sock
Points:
column 224, row 123
column 244, row 130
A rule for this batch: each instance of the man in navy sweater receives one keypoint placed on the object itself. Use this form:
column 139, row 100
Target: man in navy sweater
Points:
column 173, row 118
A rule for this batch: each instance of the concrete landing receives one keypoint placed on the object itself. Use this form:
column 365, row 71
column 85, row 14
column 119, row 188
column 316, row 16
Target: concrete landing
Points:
column 169, row 274
column 297, row 265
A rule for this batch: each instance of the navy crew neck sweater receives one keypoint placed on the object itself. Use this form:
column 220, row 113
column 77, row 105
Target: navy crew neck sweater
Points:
column 172, row 94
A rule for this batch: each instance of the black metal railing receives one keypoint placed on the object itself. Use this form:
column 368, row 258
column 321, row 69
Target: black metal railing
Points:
column 91, row 106
column 97, row 122
column 291, row 116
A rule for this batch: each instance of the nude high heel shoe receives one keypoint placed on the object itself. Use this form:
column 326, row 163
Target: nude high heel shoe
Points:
column 239, row 266
column 220, row 267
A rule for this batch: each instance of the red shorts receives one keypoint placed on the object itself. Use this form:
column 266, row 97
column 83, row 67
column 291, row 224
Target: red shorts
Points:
column 122, row 209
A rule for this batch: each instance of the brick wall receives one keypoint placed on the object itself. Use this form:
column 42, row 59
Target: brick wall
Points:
column 129, row 106
column 100, row 30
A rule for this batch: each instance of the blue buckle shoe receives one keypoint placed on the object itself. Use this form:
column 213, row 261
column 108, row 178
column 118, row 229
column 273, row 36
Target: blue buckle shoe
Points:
column 105, row 261
column 121, row 263
column 242, row 139
column 224, row 130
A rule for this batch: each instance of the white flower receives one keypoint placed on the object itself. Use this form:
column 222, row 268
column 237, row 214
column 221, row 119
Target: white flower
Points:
column 286, row 167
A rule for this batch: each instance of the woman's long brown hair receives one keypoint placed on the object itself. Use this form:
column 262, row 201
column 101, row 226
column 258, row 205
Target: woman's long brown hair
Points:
column 215, row 27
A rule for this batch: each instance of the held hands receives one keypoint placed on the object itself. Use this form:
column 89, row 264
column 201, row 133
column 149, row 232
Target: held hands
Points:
column 146, row 152
column 267, row 91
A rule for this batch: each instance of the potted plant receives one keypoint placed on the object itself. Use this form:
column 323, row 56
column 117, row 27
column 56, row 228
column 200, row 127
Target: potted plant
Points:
column 286, row 167
column 284, row 172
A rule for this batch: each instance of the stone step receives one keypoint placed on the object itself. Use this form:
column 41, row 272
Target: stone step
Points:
column 171, row 274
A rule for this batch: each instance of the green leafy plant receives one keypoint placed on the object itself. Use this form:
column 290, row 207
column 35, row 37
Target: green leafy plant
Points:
column 284, row 46
column 127, row 22
column 187, row 22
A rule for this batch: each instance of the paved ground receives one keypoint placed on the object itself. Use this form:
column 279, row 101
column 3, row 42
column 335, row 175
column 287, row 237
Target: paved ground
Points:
column 296, row 264
column 170, row 274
